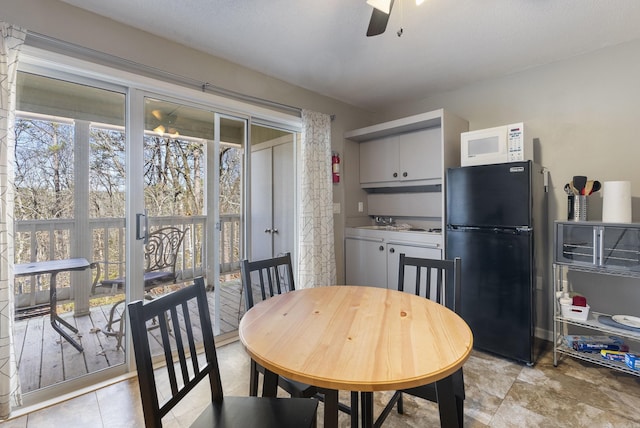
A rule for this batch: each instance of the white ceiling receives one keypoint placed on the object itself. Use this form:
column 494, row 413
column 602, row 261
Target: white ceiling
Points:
column 321, row 45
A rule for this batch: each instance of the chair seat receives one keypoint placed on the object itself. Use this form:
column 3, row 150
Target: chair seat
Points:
column 249, row 412
column 156, row 277
column 150, row 278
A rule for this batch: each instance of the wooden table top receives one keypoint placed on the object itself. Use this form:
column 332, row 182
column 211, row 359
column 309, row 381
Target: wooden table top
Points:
column 356, row 338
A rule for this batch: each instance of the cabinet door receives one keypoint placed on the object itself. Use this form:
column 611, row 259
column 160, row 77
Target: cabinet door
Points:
column 379, row 160
column 619, row 248
column 283, row 222
column 393, row 265
column 576, row 244
column 365, row 262
column 421, row 155
column 261, row 200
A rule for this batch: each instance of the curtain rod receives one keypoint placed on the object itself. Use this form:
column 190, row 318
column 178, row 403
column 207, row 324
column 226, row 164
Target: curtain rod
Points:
column 52, row 44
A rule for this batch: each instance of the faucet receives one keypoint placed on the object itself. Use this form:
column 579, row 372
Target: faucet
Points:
column 385, row 221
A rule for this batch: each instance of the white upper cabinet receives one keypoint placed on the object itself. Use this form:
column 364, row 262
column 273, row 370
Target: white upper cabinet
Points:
column 412, row 151
column 379, row 160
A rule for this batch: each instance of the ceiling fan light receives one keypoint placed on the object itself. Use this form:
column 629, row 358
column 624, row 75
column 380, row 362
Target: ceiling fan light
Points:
column 157, row 114
column 381, row 5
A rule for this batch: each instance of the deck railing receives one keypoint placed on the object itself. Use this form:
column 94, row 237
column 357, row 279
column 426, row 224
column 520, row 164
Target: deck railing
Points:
column 38, row 240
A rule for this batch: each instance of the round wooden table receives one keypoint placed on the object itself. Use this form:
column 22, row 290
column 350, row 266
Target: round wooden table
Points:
column 356, row 338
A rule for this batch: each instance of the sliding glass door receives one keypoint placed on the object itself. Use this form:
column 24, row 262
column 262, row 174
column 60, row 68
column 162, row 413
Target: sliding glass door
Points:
column 101, row 171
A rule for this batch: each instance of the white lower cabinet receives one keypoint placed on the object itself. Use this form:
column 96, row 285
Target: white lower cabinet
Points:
column 366, row 262
column 374, row 261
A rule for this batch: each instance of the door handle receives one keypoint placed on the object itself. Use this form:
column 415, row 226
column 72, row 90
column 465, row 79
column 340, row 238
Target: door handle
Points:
column 142, row 227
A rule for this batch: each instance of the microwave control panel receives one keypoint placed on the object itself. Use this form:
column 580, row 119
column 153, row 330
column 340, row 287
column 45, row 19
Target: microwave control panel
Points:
column 515, row 142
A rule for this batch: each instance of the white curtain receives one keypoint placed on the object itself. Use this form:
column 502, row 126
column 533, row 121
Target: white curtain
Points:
column 10, row 44
column 316, row 255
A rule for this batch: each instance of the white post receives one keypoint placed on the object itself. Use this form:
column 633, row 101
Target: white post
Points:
column 80, row 236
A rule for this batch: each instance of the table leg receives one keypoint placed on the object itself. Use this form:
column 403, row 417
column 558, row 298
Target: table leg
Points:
column 447, row 403
column 270, row 384
column 56, row 320
column 367, row 409
column 330, row 408
column 355, row 408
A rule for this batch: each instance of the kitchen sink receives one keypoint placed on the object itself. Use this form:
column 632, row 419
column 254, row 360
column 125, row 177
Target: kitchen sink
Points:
column 378, row 227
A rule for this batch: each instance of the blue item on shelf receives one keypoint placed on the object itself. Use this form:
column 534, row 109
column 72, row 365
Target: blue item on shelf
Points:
column 607, row 320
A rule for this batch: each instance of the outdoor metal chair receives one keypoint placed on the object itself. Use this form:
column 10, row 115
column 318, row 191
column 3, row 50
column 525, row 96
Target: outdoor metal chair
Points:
column 161, row 255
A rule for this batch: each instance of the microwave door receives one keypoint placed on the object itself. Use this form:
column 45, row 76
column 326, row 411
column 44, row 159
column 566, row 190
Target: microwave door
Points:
column 484, row 147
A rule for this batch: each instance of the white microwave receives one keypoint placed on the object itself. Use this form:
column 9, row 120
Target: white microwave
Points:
column 495, row 145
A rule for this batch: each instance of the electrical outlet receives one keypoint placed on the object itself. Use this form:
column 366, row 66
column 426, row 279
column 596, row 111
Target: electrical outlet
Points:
column 360, row 207
column 336, row 207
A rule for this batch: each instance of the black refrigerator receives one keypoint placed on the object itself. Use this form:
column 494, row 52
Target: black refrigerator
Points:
column 495, row 222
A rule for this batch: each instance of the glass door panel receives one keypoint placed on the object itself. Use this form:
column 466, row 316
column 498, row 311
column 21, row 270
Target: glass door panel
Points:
column 228, row 178
column 69, row 203
column 176, row 138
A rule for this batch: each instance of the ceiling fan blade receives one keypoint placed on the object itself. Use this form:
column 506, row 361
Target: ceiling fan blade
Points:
column 378, row 22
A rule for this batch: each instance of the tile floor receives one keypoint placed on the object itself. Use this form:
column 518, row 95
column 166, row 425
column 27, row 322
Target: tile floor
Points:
column 500, row 393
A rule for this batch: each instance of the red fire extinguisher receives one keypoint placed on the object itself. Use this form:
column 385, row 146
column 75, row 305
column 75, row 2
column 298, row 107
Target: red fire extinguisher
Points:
column 335, row 167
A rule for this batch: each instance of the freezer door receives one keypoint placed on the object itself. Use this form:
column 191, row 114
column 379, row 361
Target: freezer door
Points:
column 497, row 289
column 490, row 195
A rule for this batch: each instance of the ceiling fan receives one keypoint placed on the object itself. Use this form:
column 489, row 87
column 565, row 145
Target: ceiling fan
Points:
column 380, row 16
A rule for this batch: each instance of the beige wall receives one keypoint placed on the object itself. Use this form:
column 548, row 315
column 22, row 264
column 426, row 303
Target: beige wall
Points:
column 585, row 112
column 61, row 21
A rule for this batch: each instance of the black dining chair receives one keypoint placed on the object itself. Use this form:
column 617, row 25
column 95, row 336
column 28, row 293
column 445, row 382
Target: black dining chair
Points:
column 188, row 312
column 440, row 281
column 272, row 277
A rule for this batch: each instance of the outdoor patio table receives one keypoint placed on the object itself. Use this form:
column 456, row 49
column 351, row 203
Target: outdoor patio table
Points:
column 355, row 338
column 53, row 267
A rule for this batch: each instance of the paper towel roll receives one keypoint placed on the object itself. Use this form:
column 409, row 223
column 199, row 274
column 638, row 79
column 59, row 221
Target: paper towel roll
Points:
column 616, row 202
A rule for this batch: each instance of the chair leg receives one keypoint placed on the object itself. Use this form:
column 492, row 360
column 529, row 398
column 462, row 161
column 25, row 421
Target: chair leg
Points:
column 111, row 315
column 112, row 320
column 253, row 379
column 387, row 409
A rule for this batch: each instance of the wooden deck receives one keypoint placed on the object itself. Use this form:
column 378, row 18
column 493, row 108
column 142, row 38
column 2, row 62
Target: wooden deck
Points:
column 44, row 358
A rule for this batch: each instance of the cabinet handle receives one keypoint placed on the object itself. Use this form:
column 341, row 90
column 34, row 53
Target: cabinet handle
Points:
column 267, row 230
column 395, row 175
column 381, row 248
column 275, row 231
column 392, row 250
column 404, row 174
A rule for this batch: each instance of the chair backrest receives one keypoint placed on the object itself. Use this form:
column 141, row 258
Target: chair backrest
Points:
column 162, row 249
column 178, row 340
column 273, row 276
column 440, row 278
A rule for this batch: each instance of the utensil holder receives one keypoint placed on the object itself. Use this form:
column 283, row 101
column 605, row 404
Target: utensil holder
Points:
column 579, row 208
column 570, row 206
